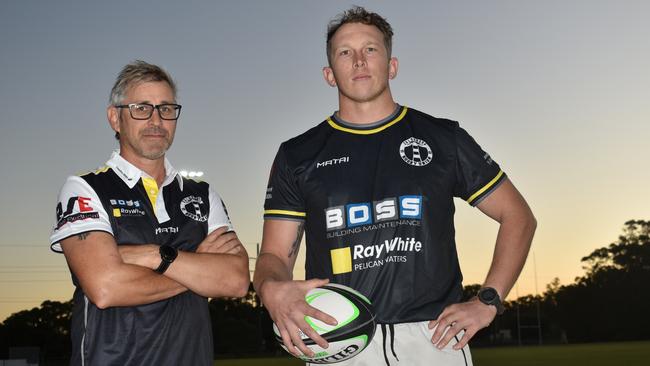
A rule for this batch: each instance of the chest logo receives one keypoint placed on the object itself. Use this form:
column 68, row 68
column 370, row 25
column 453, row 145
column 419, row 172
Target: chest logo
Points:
column 415, row 152
column 194, row 208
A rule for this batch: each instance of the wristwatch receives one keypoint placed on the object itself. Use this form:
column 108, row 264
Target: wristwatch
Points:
column 490, row 296
column 167, row 256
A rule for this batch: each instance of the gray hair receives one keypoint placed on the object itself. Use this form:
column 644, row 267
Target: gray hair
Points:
column 134, row 73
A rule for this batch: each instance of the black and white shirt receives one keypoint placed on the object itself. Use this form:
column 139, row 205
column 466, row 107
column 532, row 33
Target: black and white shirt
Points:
column 125, row 202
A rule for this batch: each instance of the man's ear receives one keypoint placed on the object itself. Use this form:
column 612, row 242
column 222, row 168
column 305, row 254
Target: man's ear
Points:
column 393, row 67
column 328, row 74
column 113, row 115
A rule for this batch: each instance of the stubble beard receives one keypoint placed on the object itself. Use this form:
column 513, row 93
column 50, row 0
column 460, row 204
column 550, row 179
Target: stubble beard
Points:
column 157, row 151
column 151, row 150
column 365, row 98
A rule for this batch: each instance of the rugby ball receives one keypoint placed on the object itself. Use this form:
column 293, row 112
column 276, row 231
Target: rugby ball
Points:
column 354, row 331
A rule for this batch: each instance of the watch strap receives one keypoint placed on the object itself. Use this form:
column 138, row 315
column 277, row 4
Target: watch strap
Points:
column 167, row 256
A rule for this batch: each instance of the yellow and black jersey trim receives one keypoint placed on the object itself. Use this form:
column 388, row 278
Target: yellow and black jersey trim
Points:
column 486, row 189
column 102, row 169
column 294, row 215
column 339, row 127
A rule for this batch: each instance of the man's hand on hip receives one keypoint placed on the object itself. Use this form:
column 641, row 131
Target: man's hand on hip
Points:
column 470, row 316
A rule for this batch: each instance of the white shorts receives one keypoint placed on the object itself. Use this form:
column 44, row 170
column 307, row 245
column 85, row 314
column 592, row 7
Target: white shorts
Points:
column 408, row 344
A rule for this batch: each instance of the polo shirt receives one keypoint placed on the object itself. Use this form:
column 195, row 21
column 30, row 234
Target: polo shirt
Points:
column 125, row 202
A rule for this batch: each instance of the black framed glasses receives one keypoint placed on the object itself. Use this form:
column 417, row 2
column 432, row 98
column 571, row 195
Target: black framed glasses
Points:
column 166, row 111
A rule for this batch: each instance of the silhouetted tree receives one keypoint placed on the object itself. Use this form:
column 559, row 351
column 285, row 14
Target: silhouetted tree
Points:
column 47, row 327
column 610, row 301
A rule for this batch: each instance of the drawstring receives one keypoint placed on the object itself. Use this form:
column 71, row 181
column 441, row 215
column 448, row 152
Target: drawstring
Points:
column 383, row 336
column 391, row 330
column 392, row 340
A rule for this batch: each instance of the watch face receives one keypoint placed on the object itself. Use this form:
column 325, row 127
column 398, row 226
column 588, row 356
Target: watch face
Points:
column 487, row 294
column 168, row 253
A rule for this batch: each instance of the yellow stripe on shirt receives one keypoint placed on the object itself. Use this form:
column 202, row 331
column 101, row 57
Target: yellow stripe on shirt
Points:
column 485, row 188
column 285, row 212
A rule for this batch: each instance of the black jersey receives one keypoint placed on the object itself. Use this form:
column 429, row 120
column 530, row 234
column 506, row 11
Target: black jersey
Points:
column 378, row 206
column 123, row 201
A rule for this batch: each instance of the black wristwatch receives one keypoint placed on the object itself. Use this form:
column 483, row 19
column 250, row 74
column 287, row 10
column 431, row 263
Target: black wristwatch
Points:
column 490, row 296
column 167, row 256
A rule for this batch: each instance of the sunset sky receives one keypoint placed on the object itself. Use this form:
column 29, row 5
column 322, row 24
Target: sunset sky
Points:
column 558, row 92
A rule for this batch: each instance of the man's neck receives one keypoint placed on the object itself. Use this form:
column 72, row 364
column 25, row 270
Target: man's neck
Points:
column 154, row 168
column 366, row 112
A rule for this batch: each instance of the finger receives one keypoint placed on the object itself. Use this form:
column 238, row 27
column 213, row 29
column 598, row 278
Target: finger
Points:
column 320, row 315
column 449, row 334
column 209, row 240
column 296, row 338
column 221, row 244
column 286, row 339
column 433, row 323
column 229, row 244
column 218, row 232
column 313, row 334
column 443, row 323
column 226, row 239
column 235, row 250
column 464, row 340
column 315, row 282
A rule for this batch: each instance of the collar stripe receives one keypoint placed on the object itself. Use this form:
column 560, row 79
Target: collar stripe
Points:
column 367, row 132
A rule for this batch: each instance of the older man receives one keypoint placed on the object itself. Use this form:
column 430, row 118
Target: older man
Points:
column 145, row 246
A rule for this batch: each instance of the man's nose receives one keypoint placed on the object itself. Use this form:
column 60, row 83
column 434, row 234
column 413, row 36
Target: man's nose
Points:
column 359, row 60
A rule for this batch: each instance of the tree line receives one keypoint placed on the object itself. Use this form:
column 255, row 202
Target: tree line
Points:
column 608, row 303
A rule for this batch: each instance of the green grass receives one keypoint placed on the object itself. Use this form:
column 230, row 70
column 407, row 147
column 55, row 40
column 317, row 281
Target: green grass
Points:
column 593, row 354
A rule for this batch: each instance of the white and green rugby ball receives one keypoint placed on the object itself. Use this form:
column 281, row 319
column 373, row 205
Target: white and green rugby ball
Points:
column 354, row 331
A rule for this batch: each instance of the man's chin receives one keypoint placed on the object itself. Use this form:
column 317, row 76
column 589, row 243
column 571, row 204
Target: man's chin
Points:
column 155, row 153
column 364, row 97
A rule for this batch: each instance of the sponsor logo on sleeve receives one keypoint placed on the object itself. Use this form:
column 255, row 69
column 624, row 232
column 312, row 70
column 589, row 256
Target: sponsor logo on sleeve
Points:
column 194, row 208
column 488, row 159
column 77, row 208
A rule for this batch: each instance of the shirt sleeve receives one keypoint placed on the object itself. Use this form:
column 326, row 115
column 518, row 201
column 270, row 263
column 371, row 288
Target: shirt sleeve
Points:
column 283, row 198
column 78, row 210
column 477, row 175
column 218, row 213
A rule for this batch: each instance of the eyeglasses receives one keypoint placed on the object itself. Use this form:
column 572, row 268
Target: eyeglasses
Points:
column 166, row 111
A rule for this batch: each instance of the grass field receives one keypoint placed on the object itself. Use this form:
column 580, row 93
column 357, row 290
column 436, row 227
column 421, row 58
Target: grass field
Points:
column 593, row 354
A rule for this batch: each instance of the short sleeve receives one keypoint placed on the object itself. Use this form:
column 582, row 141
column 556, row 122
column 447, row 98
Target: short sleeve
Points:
column 78, row 210
column 218, row 213
column 477, row 175
column 283, row 198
